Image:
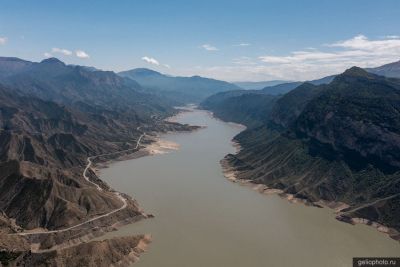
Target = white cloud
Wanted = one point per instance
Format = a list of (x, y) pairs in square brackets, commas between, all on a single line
[(306, 64), (63, 51), (155, 62), (209, 47), (242, 44), (151, 60), (3, 40), (81, 54), (333, 58), (361, 42), (66, 52)]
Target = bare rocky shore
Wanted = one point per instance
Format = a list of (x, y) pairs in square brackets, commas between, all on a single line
[(232, 174)]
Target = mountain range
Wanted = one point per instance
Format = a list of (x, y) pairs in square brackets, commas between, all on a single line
[(259, 85), (335, 142), (335, 139), (391, 70), (183, 89), (219, 102), (277, 87), (53, 117)]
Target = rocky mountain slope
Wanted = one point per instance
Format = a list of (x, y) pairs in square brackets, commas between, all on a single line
[(338, 142), (79, 87), (52, 118), (43, 148)]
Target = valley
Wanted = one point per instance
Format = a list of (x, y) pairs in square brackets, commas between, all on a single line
[(199, 133), (203, 219), (93, 160)]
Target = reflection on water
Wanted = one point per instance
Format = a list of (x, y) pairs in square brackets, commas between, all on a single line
[(204, 220)]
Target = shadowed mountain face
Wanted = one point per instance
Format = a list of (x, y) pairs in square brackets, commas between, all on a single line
[(270, 92), (357, 113), (290, 105), (52, 80), (249, 107), (255, 106), (284, 88), (43, 147), (338, 142), (52, 117), (184, 89)]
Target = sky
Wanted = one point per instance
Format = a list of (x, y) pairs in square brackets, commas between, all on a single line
[(230, 40)]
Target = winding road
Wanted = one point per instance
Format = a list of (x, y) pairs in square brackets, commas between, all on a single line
[(84, 174)]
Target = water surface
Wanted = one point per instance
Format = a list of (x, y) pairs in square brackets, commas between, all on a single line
[(203, 220)]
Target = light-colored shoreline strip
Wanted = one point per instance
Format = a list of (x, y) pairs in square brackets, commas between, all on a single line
[(338, 207)]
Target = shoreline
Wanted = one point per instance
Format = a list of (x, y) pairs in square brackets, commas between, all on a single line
[(155, 145), (86, 235), (231, 175)]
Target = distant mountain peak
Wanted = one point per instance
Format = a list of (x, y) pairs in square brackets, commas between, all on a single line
[(357, 72), (188, 89), (52, 60), (12, 59), (141, 71)]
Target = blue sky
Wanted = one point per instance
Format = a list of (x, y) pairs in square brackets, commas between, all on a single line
[(230, 40)]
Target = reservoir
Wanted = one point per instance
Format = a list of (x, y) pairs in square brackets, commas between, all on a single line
[(203, 220)]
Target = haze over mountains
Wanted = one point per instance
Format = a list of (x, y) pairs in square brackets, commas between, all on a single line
[(259, 85), (185, 89)]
